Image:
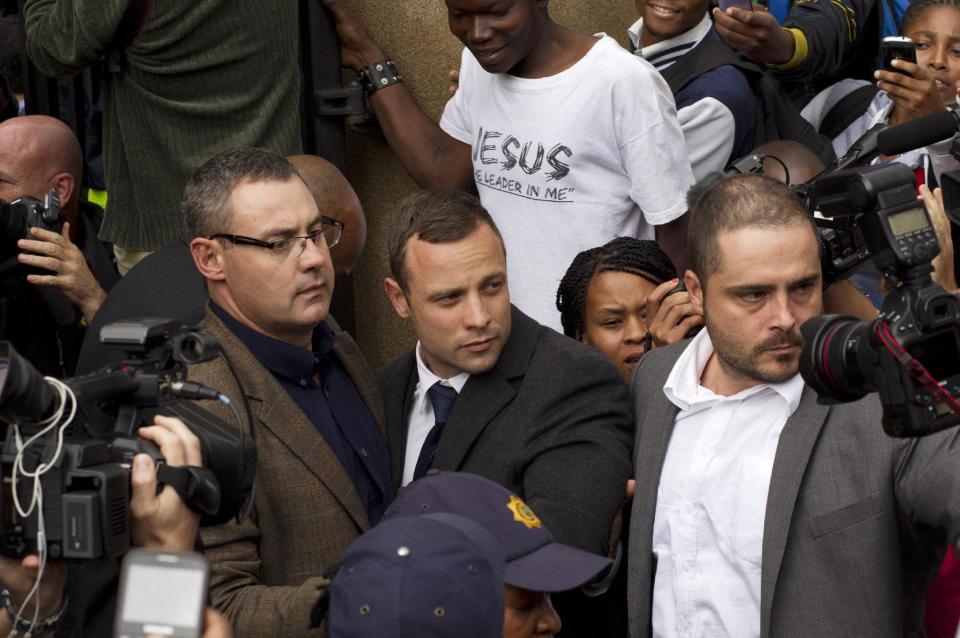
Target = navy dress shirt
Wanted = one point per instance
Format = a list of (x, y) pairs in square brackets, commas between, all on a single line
[(333, 405)]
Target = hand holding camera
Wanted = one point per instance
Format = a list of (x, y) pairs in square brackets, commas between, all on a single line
[(162, 520), (69, 272)]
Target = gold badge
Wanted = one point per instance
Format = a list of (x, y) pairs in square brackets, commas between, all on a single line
[(522, 513)]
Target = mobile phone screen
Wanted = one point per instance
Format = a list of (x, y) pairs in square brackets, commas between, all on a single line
[(163, 595), (740, 4)]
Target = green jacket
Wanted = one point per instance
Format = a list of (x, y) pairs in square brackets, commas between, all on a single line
[(203, 76)]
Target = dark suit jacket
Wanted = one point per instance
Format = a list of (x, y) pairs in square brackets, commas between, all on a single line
[(550, 421), (856, 522), (265, 572)]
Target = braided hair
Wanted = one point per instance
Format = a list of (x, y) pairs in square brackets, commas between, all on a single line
[(917, 7), (639, 257)]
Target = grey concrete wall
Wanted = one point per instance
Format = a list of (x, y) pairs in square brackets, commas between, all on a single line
[(414, 33)]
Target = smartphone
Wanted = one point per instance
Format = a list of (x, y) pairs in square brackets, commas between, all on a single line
[(950, 183), (162, 594), (897, 48), (746, 5)]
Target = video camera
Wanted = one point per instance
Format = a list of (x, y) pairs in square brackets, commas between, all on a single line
[(911, 353), (843, 248), (84, 469)]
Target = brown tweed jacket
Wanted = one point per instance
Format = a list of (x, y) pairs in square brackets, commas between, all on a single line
[(266, 572)]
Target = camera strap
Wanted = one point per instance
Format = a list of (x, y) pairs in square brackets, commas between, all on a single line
[(197, 486), (915, 368)]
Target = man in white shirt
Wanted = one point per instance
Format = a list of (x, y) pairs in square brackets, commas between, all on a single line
[(569, 140), (758, 511)]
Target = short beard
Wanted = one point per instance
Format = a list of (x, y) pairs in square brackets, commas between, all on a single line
[(744, 364)]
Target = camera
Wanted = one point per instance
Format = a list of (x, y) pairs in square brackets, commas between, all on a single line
[(910, 354), (82, 463), (16, 220)]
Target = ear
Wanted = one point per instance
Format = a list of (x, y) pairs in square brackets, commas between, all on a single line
[(397, 297), (65, 186), (695, 288), (208, 258)]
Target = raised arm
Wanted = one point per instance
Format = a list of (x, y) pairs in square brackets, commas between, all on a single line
[(433, 158)]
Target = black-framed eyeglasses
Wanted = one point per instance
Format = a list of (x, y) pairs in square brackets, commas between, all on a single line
[(330, 230)]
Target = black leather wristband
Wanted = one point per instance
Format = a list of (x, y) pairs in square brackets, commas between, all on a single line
[(379, 75)]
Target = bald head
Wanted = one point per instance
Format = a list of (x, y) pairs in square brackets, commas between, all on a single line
[(39, 154), (802, 163), (335, 198)]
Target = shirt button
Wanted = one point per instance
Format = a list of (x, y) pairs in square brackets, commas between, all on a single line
[(690, 509), (685, 567), (303, 383), (363, 452)]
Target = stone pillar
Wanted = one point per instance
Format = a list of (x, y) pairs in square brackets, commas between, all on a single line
[(414, 33)]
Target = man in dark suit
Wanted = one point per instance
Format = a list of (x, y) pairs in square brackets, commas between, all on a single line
[(323, 474), (487, 390), (758, 511)]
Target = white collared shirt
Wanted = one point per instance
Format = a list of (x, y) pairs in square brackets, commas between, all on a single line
[(663, 54), (421, 419), (711, 501)]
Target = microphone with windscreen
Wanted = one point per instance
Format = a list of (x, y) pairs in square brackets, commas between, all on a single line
[(918, 133)]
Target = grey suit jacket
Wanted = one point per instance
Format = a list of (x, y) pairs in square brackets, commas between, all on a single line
[(551, 421), (855, 526), (266, 571)]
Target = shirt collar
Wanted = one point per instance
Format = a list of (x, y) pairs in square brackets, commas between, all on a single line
[(683, 387), (427, 379), (682, 43), (279, 357)]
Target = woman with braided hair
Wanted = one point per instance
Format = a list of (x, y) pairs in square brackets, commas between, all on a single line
[(616, 298)]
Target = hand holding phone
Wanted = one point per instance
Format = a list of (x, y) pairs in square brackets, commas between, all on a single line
[(746, 5), (898, 48), (162, 593)]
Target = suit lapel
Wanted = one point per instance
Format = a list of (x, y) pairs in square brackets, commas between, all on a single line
[(482, 398), (796, 444), (281, 415), (653, 438), (398, 397)]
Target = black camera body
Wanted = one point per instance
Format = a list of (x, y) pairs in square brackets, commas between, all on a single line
[(16, 220), (911, 353), (86, 492)]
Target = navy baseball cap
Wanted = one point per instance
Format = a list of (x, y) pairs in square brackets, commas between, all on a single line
[(433, 576), (534, 560)]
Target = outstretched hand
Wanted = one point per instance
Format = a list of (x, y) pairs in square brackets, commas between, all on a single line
[(357, 48), (756, 34)]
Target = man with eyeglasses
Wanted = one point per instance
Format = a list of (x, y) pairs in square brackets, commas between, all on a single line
[(323, 472)]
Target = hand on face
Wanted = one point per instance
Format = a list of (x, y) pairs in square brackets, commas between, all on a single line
[(69, 270), (673, 316)]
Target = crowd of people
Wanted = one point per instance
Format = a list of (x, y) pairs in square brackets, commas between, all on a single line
[(600, 428)]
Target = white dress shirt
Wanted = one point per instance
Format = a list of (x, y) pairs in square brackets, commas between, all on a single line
[(708, 527), (421, 419)]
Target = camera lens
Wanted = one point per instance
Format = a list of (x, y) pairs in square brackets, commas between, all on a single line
[(837, 358)]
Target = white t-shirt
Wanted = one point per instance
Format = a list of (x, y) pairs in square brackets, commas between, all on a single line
[(571, 161)]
